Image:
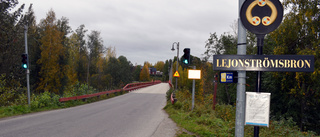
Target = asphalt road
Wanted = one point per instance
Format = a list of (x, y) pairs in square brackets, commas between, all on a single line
[(136, 114)]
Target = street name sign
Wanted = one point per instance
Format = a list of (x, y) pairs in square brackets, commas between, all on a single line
[(287, 63)]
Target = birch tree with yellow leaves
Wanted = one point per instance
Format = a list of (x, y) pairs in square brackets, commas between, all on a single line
[(144, 74), (52, 50)]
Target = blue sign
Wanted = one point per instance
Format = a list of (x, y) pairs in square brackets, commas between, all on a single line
[(228, 77)]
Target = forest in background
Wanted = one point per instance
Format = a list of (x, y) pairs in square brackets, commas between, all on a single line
[(60, 59), (63, 60)]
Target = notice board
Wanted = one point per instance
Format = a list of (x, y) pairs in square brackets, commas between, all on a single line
[(257, 109)]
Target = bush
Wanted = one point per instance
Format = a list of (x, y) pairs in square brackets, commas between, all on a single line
[(177, 105), (225, 112), (78, 90), (16, 110), (45, 99), (34, 105), (11, 95)]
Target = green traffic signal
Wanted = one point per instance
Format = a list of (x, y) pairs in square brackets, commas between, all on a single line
[(186, 56), (185, 61), (25, 66), (24, 61)]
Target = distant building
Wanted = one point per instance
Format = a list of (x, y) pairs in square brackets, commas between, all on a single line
[(159, 73), (152, 71)]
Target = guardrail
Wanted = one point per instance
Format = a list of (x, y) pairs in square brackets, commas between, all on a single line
[(170, 84), (134, 86), (128, 87)]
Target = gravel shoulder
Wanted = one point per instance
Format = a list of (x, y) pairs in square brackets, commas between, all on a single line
[(167, 127)]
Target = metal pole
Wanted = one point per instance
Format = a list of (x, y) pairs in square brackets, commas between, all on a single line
[(241, 89), (28, 71), (193, 88), (177, 66), (170, 72), (260, 39)]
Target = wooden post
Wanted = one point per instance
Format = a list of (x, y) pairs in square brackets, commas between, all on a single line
[(215, 91)]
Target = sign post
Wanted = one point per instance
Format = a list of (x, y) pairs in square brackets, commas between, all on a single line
[(241, 88), (194, 74), (261, 17)]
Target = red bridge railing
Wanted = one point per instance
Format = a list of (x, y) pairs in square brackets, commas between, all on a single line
[(128, 87)]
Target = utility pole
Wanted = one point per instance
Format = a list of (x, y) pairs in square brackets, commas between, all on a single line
[(26, 49), (241, 89), (193, 90), (170, 72), (177, 65)]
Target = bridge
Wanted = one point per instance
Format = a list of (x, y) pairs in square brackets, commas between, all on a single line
[(136, 114)]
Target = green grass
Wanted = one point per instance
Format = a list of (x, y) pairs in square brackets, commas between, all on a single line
[(205, 122), (45, 102)]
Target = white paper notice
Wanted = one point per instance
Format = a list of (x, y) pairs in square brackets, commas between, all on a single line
[(257, 109)]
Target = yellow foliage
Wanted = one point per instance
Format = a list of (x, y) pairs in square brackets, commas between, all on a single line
[(73, 59), (144, 74), (111, 52), (51, 50), (279, 50), (159, 65)]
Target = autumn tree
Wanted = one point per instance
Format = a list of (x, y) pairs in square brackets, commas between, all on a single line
[(74, 56), (83, 54), (95, 49), (159, 66), (99, 79), (51, 51), (148, 64), (103, 79), (110, 52), (144, 74)]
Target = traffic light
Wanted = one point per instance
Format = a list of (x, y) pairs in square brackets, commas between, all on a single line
[(186, 56), (24, 61)]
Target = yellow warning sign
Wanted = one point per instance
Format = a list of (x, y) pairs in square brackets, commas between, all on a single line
[(176, 74)]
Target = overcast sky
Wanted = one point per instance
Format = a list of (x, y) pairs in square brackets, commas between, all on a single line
[(144, 30)]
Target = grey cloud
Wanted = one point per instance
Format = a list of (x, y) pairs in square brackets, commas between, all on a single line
[(144, 30)]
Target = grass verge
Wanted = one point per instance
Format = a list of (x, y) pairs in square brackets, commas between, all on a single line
[(205, 122), (45, 102)]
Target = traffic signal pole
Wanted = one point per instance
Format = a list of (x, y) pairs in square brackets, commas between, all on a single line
[(28, 71)]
